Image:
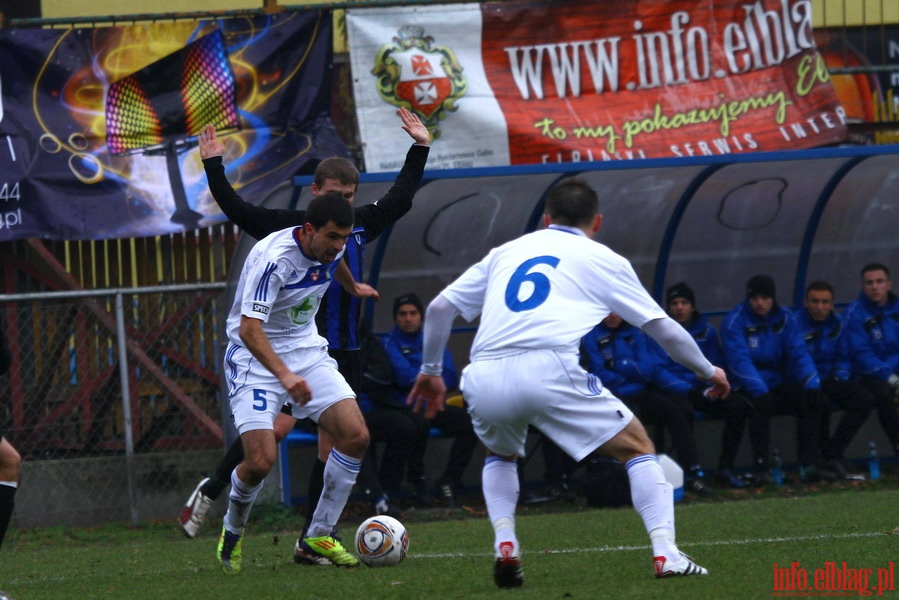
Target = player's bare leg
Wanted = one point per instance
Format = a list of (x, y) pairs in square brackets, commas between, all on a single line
[(210, 488), (652, 497)]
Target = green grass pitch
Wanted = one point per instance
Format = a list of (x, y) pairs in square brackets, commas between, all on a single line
[(570, 551)]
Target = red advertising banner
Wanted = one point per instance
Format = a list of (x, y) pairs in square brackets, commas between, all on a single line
[(578, 81)]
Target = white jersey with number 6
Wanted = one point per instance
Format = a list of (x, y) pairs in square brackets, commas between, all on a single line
[(546, 290)]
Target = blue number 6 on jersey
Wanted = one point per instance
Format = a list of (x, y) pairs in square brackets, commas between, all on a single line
[(540, 282)]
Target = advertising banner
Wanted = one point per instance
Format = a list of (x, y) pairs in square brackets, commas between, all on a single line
[(567, 81), (98, 126)]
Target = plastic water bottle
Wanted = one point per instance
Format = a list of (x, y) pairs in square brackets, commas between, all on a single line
[(777, 468), (873, 463)]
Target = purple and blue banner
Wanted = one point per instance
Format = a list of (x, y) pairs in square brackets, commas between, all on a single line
[(98, 126)]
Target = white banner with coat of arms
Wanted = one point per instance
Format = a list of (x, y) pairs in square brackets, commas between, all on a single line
[(419, 64)]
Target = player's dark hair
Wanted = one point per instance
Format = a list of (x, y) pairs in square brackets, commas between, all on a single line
[(336, 167), (330, 207), (875, 267), (819, 286), (572, 202)]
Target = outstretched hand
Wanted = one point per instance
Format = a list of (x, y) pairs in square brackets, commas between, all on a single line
[(363, 290), (428, 393), (414, 127), (720, 386), (209, 143)]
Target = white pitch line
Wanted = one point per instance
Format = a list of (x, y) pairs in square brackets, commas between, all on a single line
[(14, 581), (777, 540)]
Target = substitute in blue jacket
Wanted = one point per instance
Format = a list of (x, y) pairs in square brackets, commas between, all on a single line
[(872, 324), (674, 379), (769, 363), (619, 354), (404, 346), (824, 335)]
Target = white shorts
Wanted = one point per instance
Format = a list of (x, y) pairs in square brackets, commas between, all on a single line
[(256, 396), (548, 390)]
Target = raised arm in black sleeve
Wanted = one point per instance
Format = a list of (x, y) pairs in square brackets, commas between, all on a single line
[(256, 221), (377, 217)]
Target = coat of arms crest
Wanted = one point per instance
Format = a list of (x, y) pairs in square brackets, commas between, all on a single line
[(415, 74)]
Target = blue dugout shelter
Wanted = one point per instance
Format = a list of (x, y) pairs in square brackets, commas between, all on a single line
[(712, 221)]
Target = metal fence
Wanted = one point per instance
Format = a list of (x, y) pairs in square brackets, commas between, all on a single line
[(113, 400)]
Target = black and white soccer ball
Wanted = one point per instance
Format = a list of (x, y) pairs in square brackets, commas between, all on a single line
[(382, 541)]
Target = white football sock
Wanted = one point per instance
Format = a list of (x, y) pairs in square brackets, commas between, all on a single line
[(240, 502), (501, 488), (340, 477), (653, 499)]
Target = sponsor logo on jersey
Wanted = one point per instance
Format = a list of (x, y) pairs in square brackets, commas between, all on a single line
[(260, 308), (302, 313)]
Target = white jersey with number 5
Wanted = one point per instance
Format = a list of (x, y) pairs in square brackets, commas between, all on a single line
[(282, 287), (546, 290)]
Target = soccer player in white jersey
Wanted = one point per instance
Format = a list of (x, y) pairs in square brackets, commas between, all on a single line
[(275, 355), (537, 296)]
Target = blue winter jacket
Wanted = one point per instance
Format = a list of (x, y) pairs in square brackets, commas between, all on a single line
[(873, 336), (677, 379), (620, 357), (827, 343), (763, 352), (405, 352)]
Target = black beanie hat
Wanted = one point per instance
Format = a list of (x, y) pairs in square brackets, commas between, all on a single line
[(680, 290), (760, 285), (409, 298)]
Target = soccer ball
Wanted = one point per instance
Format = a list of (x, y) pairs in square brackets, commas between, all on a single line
[(382, 541)]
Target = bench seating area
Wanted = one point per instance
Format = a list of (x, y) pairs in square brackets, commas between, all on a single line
[(708, 432)]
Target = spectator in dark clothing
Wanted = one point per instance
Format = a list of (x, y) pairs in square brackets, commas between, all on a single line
[(674, 379), (390, 431), (404, 345), (619, 354), (824, 334), (768, 362), (872, 329)]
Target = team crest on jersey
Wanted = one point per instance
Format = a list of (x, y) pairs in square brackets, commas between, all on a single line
[(754, 342), (413, 73), (319, 273)]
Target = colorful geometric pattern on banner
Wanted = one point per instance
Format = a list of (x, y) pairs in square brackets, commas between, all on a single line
[(98, 125), (175, 96)]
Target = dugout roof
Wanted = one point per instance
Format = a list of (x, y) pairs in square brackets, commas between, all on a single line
[(711, 221)]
